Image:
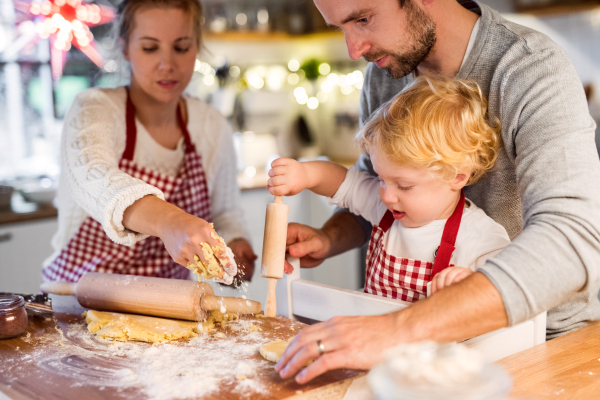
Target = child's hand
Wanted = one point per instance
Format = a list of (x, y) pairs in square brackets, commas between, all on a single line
[(288, 177), (449, 276)]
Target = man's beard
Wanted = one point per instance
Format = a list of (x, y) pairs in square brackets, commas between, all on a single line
[(422, 28)]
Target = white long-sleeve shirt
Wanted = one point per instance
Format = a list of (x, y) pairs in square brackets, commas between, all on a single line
[(479, 237), (91, 183)]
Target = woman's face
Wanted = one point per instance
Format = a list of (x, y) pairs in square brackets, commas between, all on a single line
[(162, 51)]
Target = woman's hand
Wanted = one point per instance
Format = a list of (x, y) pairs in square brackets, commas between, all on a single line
[(448, 276), (349, 342), (288, 177), (183, 235), (245, 258)]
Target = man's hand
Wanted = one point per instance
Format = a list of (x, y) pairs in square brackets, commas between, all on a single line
[(466, 309), (245, 258), (349, 342), (448, 276), (308, 244), (287, 177)]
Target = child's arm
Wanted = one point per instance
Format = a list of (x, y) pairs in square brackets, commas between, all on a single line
[(289, 177)]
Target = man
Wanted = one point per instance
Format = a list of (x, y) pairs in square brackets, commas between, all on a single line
[(544, 189)]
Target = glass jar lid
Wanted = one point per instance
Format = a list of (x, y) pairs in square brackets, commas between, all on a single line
[(11, 302)]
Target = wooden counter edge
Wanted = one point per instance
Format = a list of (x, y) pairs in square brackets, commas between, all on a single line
[(43, 212), (333, 391)]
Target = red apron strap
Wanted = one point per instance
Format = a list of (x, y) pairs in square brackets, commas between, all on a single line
[(186, 135), (131, 130), (444, 252), (386, 221)]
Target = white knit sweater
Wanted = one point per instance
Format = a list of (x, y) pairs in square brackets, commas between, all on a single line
[(91, 183)]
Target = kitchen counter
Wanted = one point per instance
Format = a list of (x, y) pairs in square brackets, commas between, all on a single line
[(565, 368), (22, 211), (59, 359)]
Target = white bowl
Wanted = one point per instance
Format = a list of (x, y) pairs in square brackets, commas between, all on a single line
[(38, 194)]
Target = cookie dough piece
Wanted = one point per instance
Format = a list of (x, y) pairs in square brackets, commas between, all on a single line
[(253, 328), (129, 327), (210, 270), (214, 268), (272, 351), (217, 317)]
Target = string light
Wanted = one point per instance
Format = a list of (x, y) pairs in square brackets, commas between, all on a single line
[(293, 65), (208, 80), (324, 69), (293, 78), (234, 71)]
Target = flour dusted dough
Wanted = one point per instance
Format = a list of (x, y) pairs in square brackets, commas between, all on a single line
[(272, 351), (217, 317), (213, 269), (126, 327)]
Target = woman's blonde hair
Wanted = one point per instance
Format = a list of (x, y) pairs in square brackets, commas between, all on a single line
[(128, 8), (439, 124)]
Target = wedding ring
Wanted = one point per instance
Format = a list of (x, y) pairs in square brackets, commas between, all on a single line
[(321, 347)]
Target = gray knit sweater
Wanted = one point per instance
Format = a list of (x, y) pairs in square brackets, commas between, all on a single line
[(545, 186)]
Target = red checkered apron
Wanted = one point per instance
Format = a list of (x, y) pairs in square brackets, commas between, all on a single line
[(92, 250), (403, 278)]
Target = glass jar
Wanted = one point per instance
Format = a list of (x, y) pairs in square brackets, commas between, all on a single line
[(13, 316)]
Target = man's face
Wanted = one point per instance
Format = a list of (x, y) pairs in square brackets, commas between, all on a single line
[(396, 38)]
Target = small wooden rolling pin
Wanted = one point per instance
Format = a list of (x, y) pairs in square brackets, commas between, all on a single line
[(273, 254), (160, 297)]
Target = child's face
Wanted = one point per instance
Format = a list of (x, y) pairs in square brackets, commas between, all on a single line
[(414, 195)]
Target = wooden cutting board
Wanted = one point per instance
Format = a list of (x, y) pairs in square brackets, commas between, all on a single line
[(59, 359)]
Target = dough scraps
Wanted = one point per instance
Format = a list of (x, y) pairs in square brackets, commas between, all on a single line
[(217, 259), (254, 328), (126, 327), (217, 317), (272, 351), (130, 327)]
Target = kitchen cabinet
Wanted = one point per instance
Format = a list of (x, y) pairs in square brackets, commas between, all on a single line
[(23, 248)]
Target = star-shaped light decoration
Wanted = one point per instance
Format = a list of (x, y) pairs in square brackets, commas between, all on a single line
[(66, 23)]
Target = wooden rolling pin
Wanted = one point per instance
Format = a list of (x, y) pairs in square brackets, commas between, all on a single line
[(160, 297), (273, 254)]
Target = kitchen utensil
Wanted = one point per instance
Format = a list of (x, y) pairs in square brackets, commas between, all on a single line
[(160, 297), (273, 255)]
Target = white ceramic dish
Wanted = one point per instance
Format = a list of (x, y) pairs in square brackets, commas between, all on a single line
[(38, 194)]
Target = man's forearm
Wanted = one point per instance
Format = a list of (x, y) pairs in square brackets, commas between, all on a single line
[(345, 232), (463, 310)]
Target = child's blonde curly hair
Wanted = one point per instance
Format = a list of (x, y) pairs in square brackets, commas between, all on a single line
[(436, 123)]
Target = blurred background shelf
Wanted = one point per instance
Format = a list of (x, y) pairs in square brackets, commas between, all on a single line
[(237, 36), (546, 8)]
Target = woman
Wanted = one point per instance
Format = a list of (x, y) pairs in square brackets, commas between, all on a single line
[(127, 150)]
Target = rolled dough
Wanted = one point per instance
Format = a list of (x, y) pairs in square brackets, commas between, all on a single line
[(272, 351), (126, 327), (129, 327)]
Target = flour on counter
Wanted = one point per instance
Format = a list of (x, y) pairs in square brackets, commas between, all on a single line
[(174, 370)]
